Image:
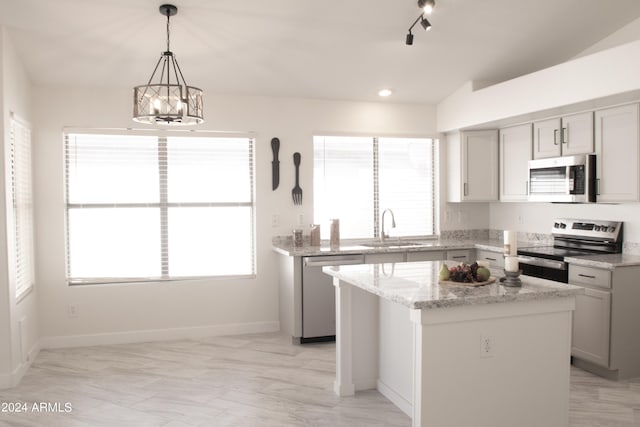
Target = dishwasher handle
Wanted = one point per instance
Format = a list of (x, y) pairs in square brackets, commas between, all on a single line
[(324, 261)]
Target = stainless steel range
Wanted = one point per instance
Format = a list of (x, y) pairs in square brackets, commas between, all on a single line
[(571, 237)]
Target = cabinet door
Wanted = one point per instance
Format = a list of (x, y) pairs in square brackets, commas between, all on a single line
[(546, 139), (480, 166), (616, 143), (515, 153), (591, 320), (577, 134)]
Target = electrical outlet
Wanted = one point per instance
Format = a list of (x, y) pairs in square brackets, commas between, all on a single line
[(72, 310), (486, 346)]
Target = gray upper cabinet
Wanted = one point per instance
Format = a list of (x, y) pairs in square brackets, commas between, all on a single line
[(546, 142), (563, 136), (515, 153), (472, 159), (617, 161)]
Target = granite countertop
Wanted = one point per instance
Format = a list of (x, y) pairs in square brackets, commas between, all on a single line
[(609, 262), (415, 285), (418, 245)]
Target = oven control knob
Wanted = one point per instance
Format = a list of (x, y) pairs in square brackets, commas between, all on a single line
[(556, 225), (612, 229), (596, 228), (563, 225), (603, 228)]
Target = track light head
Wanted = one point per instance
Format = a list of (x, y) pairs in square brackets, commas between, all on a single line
[(427, 5), (409, 40), (424, 22)]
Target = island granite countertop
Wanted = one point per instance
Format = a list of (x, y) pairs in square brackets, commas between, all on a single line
[(415, 285)]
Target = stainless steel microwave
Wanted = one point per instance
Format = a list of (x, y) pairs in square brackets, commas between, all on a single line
[(569, 179)]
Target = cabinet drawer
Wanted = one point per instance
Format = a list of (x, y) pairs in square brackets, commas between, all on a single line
[(460, 255), (495, 259), (587, 276), (425, 256), (384, 257)]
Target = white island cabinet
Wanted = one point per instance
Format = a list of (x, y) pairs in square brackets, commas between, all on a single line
[(452, 355)]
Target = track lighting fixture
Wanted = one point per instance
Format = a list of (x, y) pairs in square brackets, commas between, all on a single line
[(425, 24), (409, 40), (427, 7)]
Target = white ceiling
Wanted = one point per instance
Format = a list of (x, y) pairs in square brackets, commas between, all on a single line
[(336, 49)]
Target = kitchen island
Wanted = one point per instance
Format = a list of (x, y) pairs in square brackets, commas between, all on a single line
[(454, 355)]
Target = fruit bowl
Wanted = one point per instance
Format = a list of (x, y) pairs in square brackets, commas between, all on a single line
[(465, 274)]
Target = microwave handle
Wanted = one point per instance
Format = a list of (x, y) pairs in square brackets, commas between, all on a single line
[(597, 186)]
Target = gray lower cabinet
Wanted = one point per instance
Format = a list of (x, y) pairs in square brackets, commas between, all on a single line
[(592, 316), (384, 257), (425, 256), (461, 255), (495, 259), (605, 321), (591, 322)]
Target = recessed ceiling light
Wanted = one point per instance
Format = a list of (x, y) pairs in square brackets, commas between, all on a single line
[(385, 92)]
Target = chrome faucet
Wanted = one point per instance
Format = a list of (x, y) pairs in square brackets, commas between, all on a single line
[(384, 235)]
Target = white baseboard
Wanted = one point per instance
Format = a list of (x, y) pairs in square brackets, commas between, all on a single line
[(129, 337), (14, 378), (395, 398)]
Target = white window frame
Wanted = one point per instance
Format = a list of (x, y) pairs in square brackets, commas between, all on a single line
[(163, 205), (21, 251)]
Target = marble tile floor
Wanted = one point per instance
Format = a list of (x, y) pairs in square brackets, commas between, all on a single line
[(247, 380)]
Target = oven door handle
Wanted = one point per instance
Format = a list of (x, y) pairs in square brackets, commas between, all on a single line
[(540, 262)]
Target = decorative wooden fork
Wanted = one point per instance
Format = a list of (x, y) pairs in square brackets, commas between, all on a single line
[(296, 193)]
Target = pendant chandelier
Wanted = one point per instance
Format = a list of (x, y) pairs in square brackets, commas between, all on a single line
[(168, 100)]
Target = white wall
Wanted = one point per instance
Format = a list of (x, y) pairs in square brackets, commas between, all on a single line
[(626, 34), (538, 217), (18, 320), (156, 310), (606, 75)]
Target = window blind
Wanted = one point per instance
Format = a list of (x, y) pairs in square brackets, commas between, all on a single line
[(343, 184), (356, 178), (22, 255), (143, 207)]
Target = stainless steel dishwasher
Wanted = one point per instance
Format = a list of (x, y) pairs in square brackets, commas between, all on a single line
[(319, 296)]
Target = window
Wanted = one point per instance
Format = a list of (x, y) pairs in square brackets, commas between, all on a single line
[(154, 208), (21, 257), (356, 178)]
